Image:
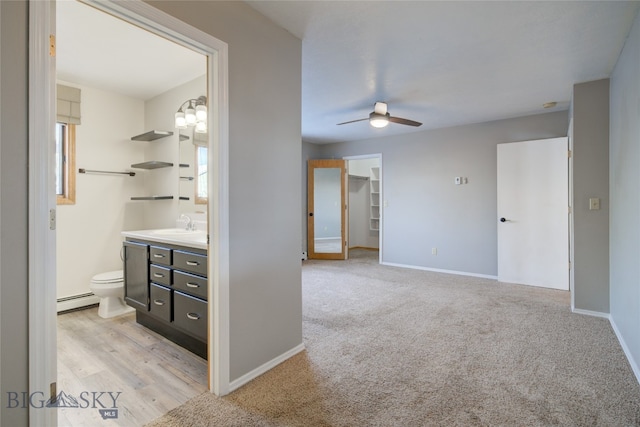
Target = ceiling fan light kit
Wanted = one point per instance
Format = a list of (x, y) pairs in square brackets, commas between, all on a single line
[(380, 118)]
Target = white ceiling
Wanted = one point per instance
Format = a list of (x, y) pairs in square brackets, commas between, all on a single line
[(98, 50), (444, 63), (440, 63)]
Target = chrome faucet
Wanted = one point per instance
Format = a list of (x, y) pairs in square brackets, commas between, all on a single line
[(189, 225)]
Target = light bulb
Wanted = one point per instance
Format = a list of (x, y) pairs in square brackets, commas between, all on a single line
[(378, 120), (201, 113), (201, 127), (190, 115), (181, 122)]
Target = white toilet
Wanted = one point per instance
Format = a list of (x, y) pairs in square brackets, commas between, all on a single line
[(109, 287)]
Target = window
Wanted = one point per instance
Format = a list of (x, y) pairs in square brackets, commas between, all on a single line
[(65, 163), (201, 176)]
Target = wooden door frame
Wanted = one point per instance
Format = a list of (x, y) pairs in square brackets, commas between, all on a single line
[(311, 166)]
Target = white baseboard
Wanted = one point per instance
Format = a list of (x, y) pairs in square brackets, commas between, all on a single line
[(591, 313), (85, 300), (625, 348), (632, 362), (236, 384), (438, 270)]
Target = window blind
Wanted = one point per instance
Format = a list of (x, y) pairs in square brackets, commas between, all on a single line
[(68, 104)]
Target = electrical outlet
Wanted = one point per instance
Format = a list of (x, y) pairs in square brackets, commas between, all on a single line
[(458, 180)]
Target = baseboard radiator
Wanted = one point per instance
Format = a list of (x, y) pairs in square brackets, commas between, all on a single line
[(76, 301)]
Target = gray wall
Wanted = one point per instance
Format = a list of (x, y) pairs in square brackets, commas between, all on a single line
[(625, 195), (264, 182), (590, 112), (426, 209), (14, 355)]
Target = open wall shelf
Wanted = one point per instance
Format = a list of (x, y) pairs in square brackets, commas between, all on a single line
[(152, 135), (152, 165), (153, 198), (374, 194)]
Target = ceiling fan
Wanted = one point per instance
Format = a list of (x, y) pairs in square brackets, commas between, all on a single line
[(380, 118)]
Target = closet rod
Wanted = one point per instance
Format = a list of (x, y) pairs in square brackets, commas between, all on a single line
[(82, 170)]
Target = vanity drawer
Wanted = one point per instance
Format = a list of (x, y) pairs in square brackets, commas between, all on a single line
[(160, 275), (190, 262), (190, 315), (190, 283), (160, 302), (158, 255)]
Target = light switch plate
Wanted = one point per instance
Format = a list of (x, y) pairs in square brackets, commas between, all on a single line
[(594, 204)]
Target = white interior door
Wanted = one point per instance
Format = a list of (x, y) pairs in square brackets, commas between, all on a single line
[(533, 215)]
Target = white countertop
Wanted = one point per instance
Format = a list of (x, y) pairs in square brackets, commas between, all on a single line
[(173, 236)]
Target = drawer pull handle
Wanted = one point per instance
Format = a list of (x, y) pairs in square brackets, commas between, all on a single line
[(193, 316), (193, 263), (158, 275), (192, 285), (158, 302), (158, 255)]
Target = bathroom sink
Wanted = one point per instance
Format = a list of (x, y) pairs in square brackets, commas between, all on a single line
[(176, 236), (175, 231)]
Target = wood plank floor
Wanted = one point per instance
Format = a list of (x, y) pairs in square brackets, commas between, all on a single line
[(152, 374)]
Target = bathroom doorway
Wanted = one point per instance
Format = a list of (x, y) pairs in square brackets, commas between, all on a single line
[(41, 343)]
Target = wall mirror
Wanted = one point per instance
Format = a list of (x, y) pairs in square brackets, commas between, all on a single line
[(193, 170)]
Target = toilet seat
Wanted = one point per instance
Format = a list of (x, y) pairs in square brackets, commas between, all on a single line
[(115, 276)]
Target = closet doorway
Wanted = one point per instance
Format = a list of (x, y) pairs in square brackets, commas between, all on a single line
[(365, 201)]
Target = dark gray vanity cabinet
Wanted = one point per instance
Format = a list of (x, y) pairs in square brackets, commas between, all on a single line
[(169, 291), (136, 274)]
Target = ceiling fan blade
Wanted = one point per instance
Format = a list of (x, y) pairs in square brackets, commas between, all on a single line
[(352, 121), (402, 121), (380, 108)]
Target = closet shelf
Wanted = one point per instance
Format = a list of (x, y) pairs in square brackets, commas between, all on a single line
[(152, 165), (364, 178), (153, 198), (152, 135)]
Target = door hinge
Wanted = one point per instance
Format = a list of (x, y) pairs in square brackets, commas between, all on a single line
[(569, 265), (569, 153), (52, 219), (569, 209), (53, 392), (52, 45)]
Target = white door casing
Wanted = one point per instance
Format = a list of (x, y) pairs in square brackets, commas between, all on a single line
[(533, 213), (42, 297)]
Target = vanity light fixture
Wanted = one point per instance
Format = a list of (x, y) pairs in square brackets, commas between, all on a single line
[(195, 114)]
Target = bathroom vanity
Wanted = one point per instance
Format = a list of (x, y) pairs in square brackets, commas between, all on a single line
[(165, 280)]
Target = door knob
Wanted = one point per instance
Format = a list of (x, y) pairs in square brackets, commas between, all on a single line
[(503, 219), (310, 213)]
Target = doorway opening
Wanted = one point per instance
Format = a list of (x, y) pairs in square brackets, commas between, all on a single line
[(365, 201), (42, 206)]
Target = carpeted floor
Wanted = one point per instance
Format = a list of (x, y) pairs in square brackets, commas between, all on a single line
[(396, 347)]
